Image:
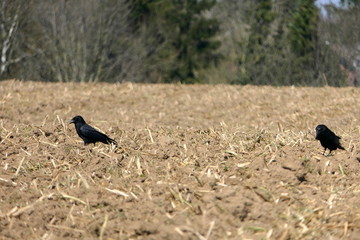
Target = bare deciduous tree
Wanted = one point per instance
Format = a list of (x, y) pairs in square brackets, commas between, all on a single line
[(88, 41), (10, 11), (340, 33)]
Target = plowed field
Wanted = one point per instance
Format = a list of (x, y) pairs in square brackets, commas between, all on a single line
[(193, 162)]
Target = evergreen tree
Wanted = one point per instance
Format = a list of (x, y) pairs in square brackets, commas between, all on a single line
[(191, 38), (303, 40), (186, 34), (303, 28), (256, 48), (351, 3), (139, 12)]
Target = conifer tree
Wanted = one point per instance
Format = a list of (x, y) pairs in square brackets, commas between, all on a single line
[(256, 47), (303, 39), (186, 34), (303, 27)]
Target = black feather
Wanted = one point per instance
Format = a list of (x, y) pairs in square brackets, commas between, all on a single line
[(89, 134), (327, 138)]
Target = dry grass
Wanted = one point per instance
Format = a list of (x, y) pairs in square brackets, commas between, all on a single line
[(194, 162)]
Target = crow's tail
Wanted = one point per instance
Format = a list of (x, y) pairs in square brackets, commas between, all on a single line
[(341, 147)]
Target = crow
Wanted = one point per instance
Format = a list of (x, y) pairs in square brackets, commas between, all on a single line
[(90, 134), (327, 138)]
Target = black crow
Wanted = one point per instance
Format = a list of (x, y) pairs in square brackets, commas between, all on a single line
[(327, 138), (88, 133)]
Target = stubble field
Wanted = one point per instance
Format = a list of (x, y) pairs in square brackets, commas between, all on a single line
[(194, 162)]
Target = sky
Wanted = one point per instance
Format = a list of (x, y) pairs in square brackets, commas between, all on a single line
[(319, 3)]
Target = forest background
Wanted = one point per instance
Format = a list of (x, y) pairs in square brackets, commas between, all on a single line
[(258, 42)]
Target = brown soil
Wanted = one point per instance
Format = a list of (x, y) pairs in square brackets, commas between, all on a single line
[(194, 162)]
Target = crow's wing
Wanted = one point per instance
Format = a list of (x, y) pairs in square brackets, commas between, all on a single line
[(331, 134), (334, 135), (92, 134)]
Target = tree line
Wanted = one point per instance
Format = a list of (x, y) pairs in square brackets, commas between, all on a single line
[(260, 42)]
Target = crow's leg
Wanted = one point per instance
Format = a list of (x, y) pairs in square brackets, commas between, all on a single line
[(324, 151), (329, 153)]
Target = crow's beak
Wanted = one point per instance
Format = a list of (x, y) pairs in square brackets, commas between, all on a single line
[(72, 121)]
